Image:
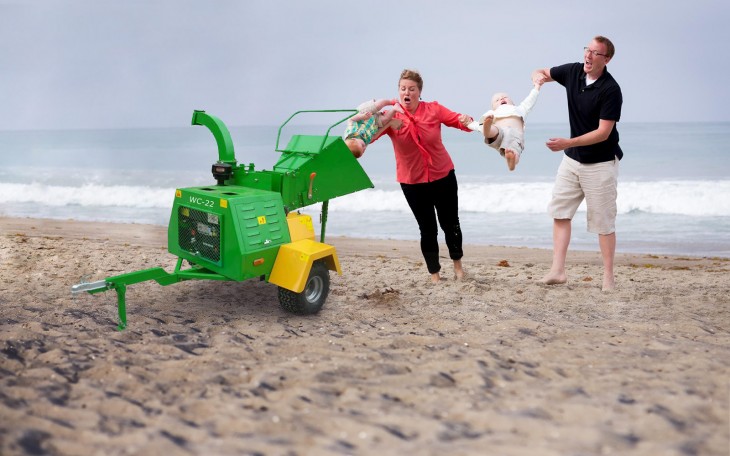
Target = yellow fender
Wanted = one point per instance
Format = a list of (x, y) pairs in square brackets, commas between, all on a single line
[(294, 261)]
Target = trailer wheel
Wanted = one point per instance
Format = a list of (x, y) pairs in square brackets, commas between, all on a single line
[(311, 300)]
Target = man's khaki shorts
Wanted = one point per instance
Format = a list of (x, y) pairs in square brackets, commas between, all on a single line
[(596, 182)]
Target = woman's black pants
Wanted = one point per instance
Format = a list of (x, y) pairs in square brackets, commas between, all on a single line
[(429, 201)]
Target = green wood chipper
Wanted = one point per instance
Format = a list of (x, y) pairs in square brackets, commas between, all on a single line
[(247, 224)]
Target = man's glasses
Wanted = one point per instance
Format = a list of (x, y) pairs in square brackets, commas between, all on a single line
[(591, 51)]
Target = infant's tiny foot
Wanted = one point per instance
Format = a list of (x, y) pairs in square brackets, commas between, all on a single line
[(511, 157)]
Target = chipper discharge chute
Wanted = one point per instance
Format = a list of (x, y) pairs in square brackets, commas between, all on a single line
[(247, 224)]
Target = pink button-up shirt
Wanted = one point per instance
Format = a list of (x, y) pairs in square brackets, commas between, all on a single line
[(420, 155)]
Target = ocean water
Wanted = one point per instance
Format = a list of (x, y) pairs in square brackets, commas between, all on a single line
[(674, 184)]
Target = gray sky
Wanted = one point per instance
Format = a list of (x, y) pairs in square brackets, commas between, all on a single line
[(116, 64)]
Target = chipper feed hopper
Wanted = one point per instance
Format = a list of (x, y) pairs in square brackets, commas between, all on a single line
[(247, 224)]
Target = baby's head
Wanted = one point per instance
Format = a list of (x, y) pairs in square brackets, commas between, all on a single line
[(501, 98), (356, 145)]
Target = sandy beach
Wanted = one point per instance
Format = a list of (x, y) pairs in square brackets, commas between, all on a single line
[(497, 364)]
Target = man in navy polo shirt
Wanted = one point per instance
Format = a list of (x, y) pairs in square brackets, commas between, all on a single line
[(590, 165)]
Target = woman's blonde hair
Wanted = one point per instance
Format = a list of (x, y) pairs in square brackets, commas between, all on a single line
[(412, 75)]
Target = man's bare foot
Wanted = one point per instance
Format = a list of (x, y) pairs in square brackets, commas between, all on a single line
[(487, 127), (458, 270), (553, 278), (609, 284), (435, 277), (511, 157)]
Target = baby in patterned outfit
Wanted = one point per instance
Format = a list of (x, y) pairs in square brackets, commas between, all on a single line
[(367, 123)]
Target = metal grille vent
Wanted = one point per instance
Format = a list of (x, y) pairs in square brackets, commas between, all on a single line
[(199, 233)]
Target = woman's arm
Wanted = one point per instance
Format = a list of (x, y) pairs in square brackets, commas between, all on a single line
[(454, 119)]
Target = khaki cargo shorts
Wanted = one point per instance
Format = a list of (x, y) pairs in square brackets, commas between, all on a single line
[(594, 182)]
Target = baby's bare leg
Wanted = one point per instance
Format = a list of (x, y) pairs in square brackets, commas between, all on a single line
[(490, 131), (388, 120), (395, 124), (513, 148), (387, 116), (512, 158)]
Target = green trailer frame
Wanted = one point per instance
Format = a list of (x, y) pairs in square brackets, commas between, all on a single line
[(311, 169)]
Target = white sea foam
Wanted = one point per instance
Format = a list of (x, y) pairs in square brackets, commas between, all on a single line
[(703, 198), (87, 195), (689, 198)]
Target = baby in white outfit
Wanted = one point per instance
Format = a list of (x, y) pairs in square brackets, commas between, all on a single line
[(503, 126)]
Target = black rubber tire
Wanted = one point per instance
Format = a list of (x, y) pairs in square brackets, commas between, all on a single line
[(311, 300)]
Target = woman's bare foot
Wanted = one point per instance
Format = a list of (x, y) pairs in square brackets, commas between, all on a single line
[(458, 270), (554, 278), (435, 277), (511, 157)]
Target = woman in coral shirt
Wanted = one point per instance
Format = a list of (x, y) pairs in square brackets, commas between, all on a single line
[(425, 170)]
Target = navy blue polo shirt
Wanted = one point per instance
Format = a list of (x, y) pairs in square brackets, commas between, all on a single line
[(586, 106)]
